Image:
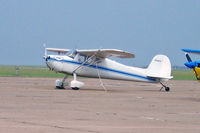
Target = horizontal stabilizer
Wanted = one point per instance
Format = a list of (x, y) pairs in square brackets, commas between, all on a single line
[(159, 77)]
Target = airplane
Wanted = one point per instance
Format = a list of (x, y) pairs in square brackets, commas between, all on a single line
[(194, 65), (95, 63)]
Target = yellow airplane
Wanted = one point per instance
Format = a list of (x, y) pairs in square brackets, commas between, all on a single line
[(194, 65)]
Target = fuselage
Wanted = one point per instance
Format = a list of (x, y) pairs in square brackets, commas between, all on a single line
[(104, 68)]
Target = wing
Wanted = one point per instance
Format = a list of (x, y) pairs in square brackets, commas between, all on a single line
[(106, 53), (191, 51), (62, 51)]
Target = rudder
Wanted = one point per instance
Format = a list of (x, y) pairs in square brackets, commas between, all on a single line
[(160, 67)]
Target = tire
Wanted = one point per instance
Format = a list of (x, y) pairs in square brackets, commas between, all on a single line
[(167, 89), (60, 87), (75, 88)]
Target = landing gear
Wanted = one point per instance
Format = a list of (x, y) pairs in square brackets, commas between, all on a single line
[(167, 89), (60, 84), (163, 86), (75, 88), (75, 85)]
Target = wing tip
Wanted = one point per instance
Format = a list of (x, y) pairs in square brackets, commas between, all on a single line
[(191, 50)]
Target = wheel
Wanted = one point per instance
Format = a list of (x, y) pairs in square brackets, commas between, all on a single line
[(60, 87), (59, 84), (75, 88), (167, 89)]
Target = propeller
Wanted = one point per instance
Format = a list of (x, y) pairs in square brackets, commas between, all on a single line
[(191, 65), (45, 51), (188, 57)]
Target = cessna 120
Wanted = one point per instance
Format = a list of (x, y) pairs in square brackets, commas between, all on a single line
[(95, 63)]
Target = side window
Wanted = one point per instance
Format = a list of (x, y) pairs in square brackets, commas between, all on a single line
[(93, 60), (81, 58), (198, 64), (90, 60)]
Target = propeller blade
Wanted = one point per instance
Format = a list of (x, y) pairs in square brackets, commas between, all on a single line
[(45, 51), (188, 57)]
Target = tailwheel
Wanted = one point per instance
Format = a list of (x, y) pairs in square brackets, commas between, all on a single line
[(167, 89)]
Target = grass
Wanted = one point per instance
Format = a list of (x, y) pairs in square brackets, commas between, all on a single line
[(41, 71), (28, 71), (183, 75)]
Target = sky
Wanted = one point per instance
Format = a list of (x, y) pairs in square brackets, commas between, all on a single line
[(142, 27)]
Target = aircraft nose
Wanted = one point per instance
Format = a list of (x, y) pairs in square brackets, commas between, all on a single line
[(46, 57), (190, 64)]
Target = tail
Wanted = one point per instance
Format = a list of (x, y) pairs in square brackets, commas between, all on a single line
[(160, 68)]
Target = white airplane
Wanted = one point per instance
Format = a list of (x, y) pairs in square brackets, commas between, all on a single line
[(95, 63)]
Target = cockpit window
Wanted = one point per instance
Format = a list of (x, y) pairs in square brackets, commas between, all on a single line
[(198, 65)]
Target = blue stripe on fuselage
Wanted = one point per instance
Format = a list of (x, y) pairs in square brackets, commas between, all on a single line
[(104, 68)]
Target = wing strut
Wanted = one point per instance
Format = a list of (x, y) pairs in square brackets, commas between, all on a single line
[(101, 82), (83, 63)]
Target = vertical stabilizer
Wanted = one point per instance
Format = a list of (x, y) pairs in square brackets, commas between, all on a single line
[(160, 67)]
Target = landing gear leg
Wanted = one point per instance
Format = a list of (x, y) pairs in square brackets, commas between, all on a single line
[(60, 84), (163, 86), (75, 85)]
